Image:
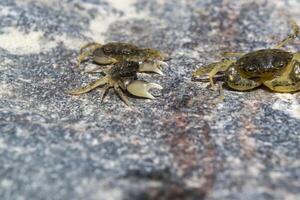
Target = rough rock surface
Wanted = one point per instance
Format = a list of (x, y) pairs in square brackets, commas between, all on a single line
[(183, 145)]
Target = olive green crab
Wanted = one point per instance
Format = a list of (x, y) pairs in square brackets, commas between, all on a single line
[(123, 62), (275, 68)]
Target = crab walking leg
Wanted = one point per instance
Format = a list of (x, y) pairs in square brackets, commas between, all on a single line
[(297, 56), (213, 69), (291, 37), (92, 45), (85, 54), (141, 88), (82, 57), (221, 95), (119, 91), (104, 91), (232, 54), (89, 87)]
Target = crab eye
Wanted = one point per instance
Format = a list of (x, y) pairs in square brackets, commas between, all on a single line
[(251, 69), (297, 70), (232, 74), (280, 65), (126, 51)]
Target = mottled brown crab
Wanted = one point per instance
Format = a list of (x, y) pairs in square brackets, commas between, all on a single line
[(124, 61), (277, 69)]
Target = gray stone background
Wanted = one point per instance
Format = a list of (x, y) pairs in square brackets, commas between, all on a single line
[(183, 145)]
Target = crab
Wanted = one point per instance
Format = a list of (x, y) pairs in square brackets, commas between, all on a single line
[(123, 62), (274, 68)]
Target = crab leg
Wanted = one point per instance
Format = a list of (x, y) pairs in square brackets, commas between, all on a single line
[(291, 37), (141, 88), (89, 87), (92, 45), (85, 54), (119, 91), (212, 69), (232, 54), (104, 91), (296, 57)]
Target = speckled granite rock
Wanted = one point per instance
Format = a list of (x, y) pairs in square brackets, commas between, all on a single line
[(182, 145)]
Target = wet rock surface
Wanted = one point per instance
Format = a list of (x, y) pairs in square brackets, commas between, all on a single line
[(183, 145)]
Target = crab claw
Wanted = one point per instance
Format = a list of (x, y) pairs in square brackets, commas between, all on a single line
[(162, 64), (152, 66), (165, 57), (141, 88)]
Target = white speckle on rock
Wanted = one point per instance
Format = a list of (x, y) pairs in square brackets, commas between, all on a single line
[(5, 183), (5, 90), (276, 176), (17, 42), (5, 11), (255, 169), (125, 6), (70, 42), (288, 103), (100, 25), (20, 43), (2, 144)]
